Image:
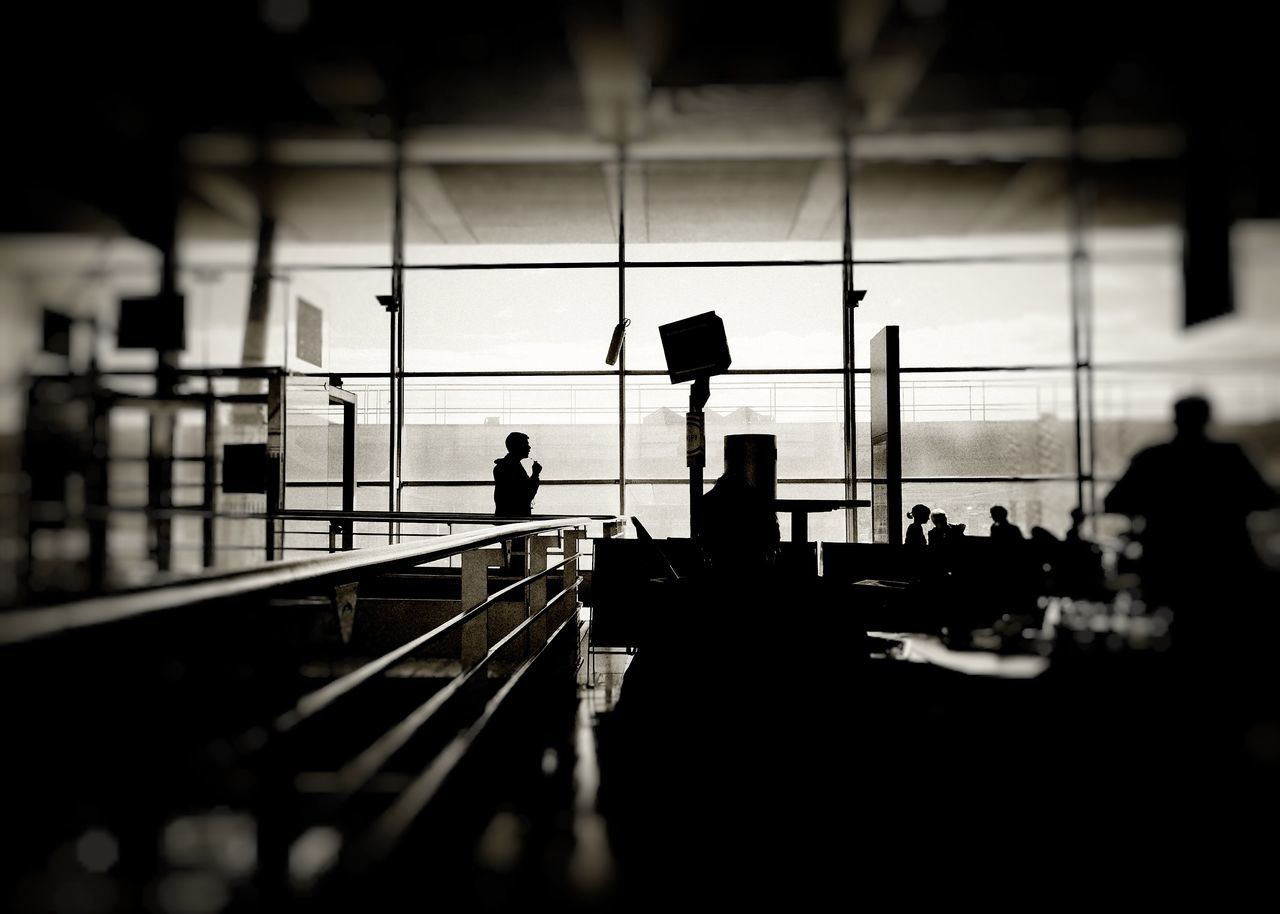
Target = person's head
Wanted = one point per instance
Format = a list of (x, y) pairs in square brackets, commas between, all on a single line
[(939, 519), (919, 513), (1190, 416), (999, 514), (1077, 517), (518, 444)]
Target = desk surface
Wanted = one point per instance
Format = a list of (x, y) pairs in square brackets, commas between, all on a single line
[(813, 505)]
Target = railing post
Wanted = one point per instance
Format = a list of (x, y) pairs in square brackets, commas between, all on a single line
[(536, 592), (475, 590), (571, 540)]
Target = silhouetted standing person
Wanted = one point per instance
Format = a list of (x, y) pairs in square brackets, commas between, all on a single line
[(1001, 530), (1192, 546), (513, 488)]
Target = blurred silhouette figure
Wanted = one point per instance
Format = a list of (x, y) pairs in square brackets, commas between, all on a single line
[(739, 527), (915, 537), (1191, 546), (1080, 571), (938, 535), (1077, 524), (1001, 530), (1046, 553), (1197, 559), (513, 488), (944, 532)]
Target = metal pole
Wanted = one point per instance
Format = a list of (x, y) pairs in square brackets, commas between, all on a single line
[(209, 524), (622, 318), (397, 279), (1081, 356), (348, 472), (847, 307), (392, 412)]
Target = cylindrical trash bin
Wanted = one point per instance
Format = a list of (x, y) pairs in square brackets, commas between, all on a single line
[(753, 458)]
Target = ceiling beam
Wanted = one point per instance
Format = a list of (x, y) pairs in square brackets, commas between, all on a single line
[(886, 58), (613, 81), (1103, 143)]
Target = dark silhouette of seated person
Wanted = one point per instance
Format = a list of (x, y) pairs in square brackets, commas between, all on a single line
[(938, 534), (1080, 569), (915, 538), (688, 772), (1001, 530), (944, 532), (1192, 547), (739, 530)]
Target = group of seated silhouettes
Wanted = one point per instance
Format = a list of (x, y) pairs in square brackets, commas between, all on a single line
[(941, 532), (1008, 566)]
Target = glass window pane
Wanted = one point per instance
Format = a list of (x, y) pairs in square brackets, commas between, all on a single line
[(1138, 301), (478, 499), (774, 317), (1000, 423), (803, 411), (663, 509), (968, 314), (313, 441), (509, 320), (1133, 409), (824, 526), (356, 329), (1030, 504), (455, 428)]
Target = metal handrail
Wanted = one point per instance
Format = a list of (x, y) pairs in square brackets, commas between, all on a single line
[(381, 838), (314, 702), (363, 767), (27, 625)]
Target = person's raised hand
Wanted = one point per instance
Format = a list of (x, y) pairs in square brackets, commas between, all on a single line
[(537, 468)]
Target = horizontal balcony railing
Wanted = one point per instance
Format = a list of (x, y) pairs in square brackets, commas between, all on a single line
[(26, 625)]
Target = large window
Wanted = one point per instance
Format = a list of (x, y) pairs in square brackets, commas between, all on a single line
[(513, 286)]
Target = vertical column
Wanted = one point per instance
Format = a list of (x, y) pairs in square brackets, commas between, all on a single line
[(1081, 331), (886, 439), (848, 302), (622, 319), (348, 472), (397, 289), (208, 543), (275, 463)]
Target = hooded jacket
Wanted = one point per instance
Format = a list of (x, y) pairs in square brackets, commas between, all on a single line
[(513, 489)]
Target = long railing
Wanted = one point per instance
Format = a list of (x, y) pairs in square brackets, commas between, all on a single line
[(25, 625), (532, 639)]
